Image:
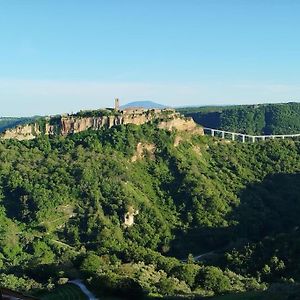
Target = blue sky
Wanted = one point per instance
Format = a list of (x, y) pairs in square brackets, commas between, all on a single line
[(66, 55)]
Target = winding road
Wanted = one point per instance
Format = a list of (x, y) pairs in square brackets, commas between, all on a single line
[(200, 257)]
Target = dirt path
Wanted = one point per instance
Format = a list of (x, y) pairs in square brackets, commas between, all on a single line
[(84, 289)]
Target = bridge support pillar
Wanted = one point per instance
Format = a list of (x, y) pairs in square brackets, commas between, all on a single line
[(232, 136), (223, 135), (212, 132), (243, 138), (253, 139)]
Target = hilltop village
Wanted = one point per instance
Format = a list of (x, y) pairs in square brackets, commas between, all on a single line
[(68, 124)]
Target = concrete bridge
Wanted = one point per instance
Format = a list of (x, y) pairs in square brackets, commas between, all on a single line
[(235, 136)]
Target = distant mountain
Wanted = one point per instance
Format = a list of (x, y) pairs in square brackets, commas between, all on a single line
[(143, 104)]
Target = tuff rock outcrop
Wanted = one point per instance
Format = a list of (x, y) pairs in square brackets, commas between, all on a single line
[(70, 124)]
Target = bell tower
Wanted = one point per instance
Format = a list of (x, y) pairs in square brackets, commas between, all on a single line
[(117, 104)]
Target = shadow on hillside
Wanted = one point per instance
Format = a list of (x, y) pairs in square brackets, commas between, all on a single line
[(209, 119), (283, 291), (200, 241), (268, 207)]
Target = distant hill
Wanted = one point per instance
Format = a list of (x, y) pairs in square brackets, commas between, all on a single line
[(10, 122), (143, 104), (279, 118)]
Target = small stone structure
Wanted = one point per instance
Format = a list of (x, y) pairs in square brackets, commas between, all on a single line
[(117, 104), (129, 217)]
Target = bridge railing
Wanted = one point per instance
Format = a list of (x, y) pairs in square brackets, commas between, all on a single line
[(245, 137)]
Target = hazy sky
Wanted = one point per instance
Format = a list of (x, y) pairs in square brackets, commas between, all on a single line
[(66, 55)]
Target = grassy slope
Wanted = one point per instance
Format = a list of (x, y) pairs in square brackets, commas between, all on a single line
[(65, 292)]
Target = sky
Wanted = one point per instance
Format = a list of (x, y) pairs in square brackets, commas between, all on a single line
[(66, 55)]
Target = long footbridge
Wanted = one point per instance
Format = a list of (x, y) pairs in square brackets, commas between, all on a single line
[(235, 136)]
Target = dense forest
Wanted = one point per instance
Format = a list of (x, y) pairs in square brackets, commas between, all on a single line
[(209, 217), (251, 119)]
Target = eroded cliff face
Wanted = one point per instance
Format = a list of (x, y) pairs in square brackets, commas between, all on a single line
[(21, 133), (181, 124), (142, 150), (70, 125), (66, 125)]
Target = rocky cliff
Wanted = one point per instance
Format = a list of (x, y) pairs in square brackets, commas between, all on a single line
[(70, 124), (181, 124), (22, 132)]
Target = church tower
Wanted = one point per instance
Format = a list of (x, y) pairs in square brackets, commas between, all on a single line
[(117, 104)]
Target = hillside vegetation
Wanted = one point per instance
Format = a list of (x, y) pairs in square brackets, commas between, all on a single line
[(251, 119), (64, 204)]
